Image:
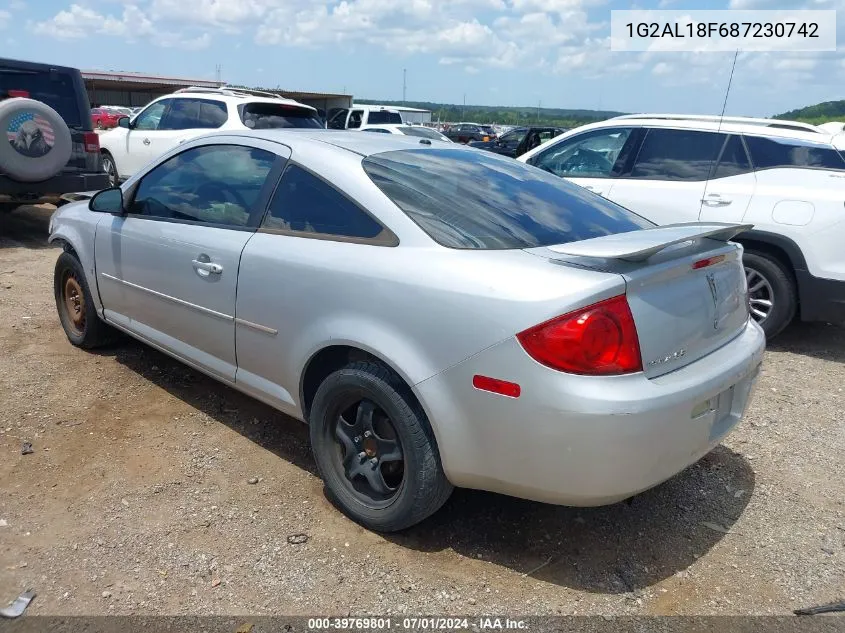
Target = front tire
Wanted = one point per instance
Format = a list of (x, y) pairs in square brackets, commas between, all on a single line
[(110, 168), (75, 305), (375, 450), (772, 293)]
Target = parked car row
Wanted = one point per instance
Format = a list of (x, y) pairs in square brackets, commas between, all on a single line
[(409, 297)]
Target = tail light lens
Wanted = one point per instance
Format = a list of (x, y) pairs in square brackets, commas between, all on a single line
[(18, 93), (92, 142), (599, 340)]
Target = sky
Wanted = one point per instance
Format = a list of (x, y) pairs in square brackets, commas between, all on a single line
[(552, 53)]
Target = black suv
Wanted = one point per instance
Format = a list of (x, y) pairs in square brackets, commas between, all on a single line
[(47, 144)]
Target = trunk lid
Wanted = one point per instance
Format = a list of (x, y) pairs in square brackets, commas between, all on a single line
[(685, 285)]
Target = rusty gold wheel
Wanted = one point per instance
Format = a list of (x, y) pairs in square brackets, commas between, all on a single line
[(74, 298)]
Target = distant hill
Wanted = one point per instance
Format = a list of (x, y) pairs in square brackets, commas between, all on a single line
[(505, 115), (819, 113)]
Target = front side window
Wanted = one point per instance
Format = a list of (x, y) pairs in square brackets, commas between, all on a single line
[(589, 155), (479, 200), (769, 153), (150, 118), (514, 138), (355, 119), (685, 155), (214, 184), (183, 114), (304, 203), (338, 120)]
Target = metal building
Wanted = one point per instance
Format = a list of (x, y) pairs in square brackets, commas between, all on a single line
[(137, 89)]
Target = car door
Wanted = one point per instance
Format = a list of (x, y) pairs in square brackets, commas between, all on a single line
[(667, 180), (509, 144), (731, 185), (338, 120), (167, 270), (591, 159), (356, 119), (284, 279), (139, 139)]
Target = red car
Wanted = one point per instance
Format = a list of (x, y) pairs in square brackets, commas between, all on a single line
[(102, 118)]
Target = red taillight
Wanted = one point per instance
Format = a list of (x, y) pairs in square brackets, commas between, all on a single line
[(91, 141), (710, 261), (18, 93), (599, 340), (494, 385)]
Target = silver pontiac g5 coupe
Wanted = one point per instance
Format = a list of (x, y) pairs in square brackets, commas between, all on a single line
[(439, 316)]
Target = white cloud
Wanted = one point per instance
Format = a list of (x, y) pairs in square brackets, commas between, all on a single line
[(5, 17), (133, 25)]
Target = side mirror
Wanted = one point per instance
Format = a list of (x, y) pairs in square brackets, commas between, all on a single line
[(108, 201), (123, 122)]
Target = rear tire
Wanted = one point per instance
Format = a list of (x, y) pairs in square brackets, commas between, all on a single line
[(375, 450), (75, 305), (772, 292)]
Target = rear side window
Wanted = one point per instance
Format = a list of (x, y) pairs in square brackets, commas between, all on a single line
[(380, 117), (56, 89), (304, 203), (768, 153), (734, 160), (213, 114), (685, 155), (268, 116), (474, 200)]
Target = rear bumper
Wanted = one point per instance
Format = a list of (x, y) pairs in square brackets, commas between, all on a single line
[(585, 441), (821, 299), (51, 189)]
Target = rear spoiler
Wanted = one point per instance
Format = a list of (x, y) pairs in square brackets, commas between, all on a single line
[(638, 246)]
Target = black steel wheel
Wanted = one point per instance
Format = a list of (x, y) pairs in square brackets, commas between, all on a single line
[(375, 449)]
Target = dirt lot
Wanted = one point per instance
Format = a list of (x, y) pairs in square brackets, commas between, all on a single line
[(136, 498)]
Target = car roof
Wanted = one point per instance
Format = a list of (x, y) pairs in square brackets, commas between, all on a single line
[(730, 125), (349, 140), (234, 95)]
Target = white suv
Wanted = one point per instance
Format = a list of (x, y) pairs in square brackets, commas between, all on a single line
[(783, 177), (190, 112)]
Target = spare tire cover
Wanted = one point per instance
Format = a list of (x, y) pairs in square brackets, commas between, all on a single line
[(35, 142)]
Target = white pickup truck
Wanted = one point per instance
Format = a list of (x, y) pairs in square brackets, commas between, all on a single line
[(360, 115)]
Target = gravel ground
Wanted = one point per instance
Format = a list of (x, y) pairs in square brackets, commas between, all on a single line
[(137, 498)]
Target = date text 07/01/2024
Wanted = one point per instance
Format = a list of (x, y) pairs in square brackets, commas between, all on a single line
[(417, 623), (723, 29)]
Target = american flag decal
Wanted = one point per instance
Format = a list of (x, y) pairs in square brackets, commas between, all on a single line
[(42, 124)]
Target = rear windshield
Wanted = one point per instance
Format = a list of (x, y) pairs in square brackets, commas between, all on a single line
[(768, 153), (380, 117), (267, 116), (56, 89), (424, 132), (475, 200)]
